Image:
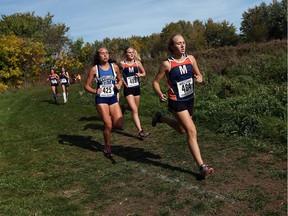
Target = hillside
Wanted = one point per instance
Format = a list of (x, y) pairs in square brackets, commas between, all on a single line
[(51, 160)]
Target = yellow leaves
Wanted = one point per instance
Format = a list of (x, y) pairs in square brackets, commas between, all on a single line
[(15, 72), (3, 87), (20, 58), (67, 61), (4, 74)]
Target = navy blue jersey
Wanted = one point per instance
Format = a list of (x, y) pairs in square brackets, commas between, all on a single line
[(130, 75), (64, 78), (53, 80), (180, 79)]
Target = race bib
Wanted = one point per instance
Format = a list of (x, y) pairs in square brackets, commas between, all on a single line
[(54, 81), (63, 80), (107, 90), (132, 81), (185, 87)]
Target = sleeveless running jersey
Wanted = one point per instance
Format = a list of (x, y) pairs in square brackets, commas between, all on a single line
[(106, 81), (129, 74), (53, 79), (64, 78), (180, 79)]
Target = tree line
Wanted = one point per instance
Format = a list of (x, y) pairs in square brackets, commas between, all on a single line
[(30, 45)]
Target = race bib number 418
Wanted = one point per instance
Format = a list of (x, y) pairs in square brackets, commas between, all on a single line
[(132, 81), (185, 87)]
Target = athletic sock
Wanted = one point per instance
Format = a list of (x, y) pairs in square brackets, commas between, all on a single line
[(64, 96)]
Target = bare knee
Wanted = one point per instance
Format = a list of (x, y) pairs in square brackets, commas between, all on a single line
[(192, 132), (134, 110), (118, 123)]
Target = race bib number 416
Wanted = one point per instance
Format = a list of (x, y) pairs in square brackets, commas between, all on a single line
[(185, 87), (54, 81)]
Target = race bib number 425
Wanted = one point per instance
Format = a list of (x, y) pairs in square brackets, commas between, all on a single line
[(107, 90), (185, 87)]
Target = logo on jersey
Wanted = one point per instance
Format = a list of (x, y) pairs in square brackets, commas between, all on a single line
[(183, 69), (131, 69)]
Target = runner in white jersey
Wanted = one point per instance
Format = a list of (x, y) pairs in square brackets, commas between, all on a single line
[(105, 74), (64, 79)]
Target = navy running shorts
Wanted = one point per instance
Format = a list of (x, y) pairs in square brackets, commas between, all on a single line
[(106, 100), (131, 91), (178, 106)]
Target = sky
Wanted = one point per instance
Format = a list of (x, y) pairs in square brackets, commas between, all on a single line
[(94, 20)]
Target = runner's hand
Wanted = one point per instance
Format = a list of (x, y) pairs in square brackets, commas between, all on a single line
[(163, 98), (199, 78)]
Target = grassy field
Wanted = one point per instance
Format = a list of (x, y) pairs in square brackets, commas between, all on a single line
[(51, 163)]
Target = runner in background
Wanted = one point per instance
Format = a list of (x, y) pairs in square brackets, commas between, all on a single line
[(64, 78), (78, 78), (132, 69), (53, 78)]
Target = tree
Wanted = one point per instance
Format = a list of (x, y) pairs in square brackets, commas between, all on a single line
[(277, 20), (34, 27), (220, 34), (265, 22), (43, 30), (198, 40), (21, 25), (21, 60), (81, 52)]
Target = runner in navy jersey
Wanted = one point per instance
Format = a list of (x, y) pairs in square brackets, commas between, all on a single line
[(64, 79), (181, 71), (132, 69), (53, 78), (109, 81)]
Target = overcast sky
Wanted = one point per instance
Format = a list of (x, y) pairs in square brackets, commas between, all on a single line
[(97, 19)]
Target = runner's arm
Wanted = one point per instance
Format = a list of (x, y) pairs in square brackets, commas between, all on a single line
[(164, 67), (89, 81), (198, 75)]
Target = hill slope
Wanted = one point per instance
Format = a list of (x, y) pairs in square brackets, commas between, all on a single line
[(51, 164)]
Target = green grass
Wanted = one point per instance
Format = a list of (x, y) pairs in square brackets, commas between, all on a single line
[(51, 164)]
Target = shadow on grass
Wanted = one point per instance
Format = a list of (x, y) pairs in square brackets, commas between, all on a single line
[(50, 102), (94, 126), (129, 153), (91, 118), (84, 142), (122, 132)]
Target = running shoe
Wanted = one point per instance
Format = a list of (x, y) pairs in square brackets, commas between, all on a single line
[(107, 151), (143, 134), (156, 118), (205, 170)]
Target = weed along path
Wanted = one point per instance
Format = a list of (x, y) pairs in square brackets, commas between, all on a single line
[(51, 163)]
